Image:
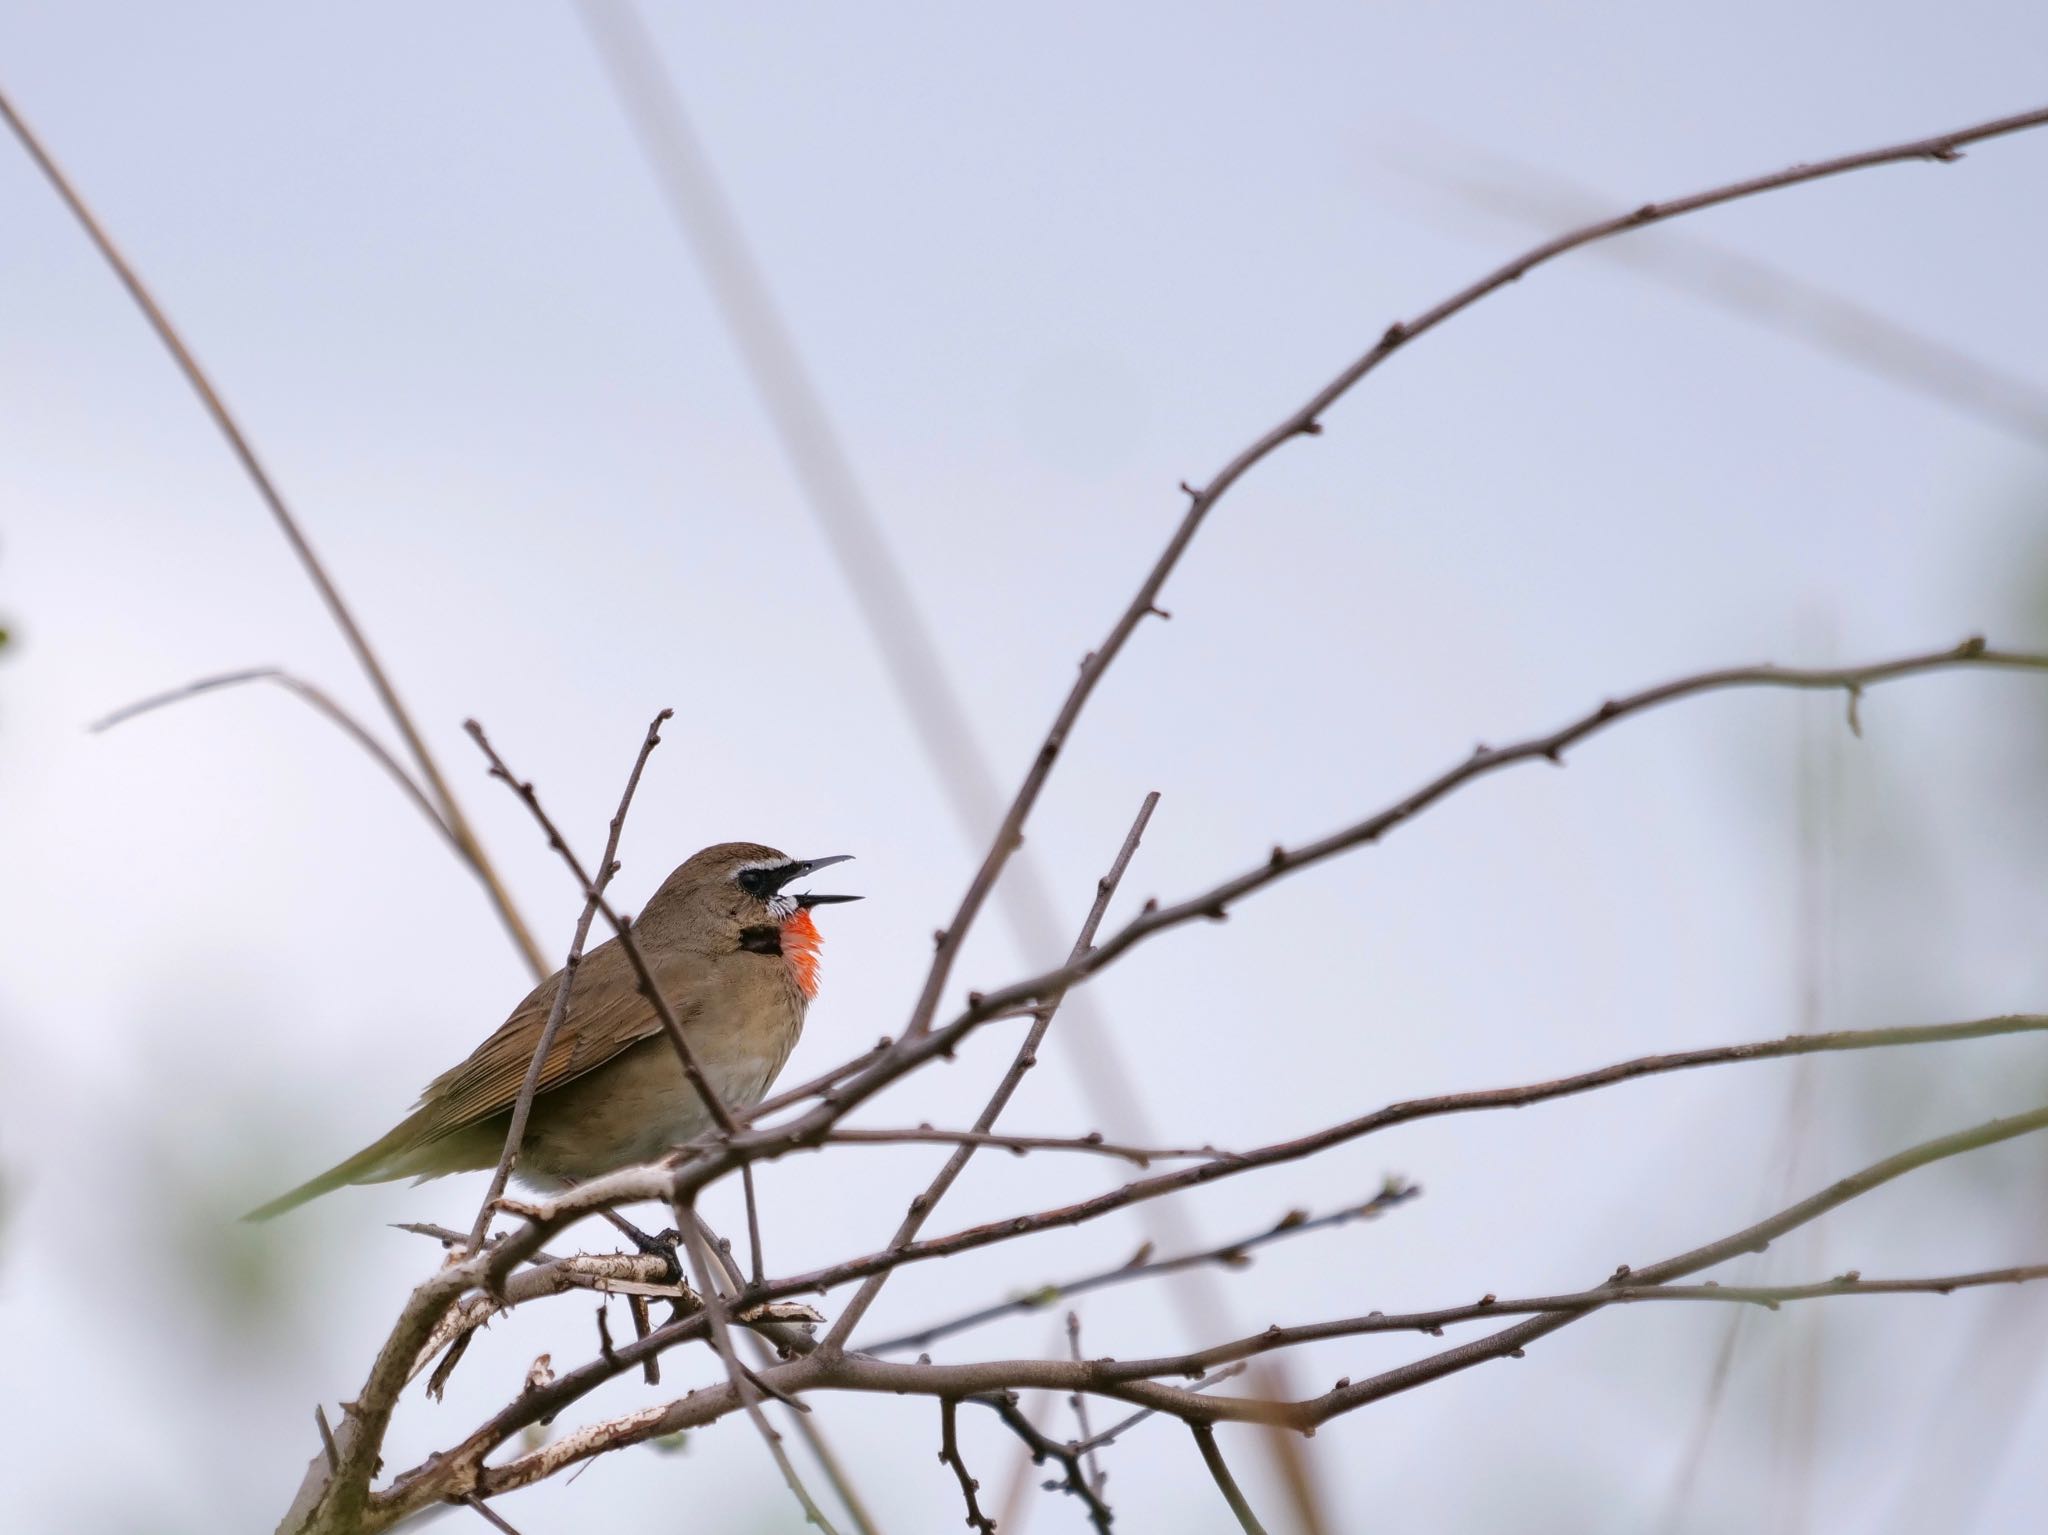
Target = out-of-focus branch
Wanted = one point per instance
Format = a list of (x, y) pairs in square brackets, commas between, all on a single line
[(1212, 1457), (1871, 340), (607, 866), (322, 703), (451, 816)]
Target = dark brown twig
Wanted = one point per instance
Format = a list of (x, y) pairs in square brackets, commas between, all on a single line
[(594, 893), (1027, 1056), (754, 1263), (1074, 1480), (1091, 1144), (1142, 1265), (1139, 1382), (522, 1106), (1871, 340), (949, 1454), (821, 1084), (491, 1516), (1214, 904), (1281, 1152), (1085, 1445), (1307, 422), (744, 1382), (1123, 1426)]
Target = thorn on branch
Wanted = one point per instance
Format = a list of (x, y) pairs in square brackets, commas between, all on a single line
[(327, 1439), (438, 1381), (1855, 710), (1393, 336)]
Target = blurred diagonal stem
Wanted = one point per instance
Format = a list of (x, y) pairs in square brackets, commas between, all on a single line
[(1865, 338), (451, 817)]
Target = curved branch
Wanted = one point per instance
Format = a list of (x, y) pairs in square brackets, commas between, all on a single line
[(245, 453), (1306, 422), (307, 693), (1380, 1119)]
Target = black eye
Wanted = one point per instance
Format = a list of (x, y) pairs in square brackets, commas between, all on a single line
[(760, 883)]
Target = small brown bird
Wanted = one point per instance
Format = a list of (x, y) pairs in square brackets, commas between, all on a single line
[(736, 959)]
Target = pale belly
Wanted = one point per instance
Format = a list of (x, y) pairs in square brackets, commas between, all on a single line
[(634, 1108)]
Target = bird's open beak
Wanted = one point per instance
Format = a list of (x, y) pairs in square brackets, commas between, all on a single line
[(804, 867)]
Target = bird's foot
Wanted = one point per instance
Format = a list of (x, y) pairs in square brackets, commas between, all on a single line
[(663, 1246)]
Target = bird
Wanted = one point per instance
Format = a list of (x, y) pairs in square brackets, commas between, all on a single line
[(733, 953)]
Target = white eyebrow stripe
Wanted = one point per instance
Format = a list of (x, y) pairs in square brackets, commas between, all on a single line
[(762, 863)]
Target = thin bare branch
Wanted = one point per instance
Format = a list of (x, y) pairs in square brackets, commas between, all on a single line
[(1074, 1481), (949, 1454), (1307, 422), (594, 893), (1123, 1426), (308, 693), (1874, 341), (492, 1517), (1280, 1152), (744, 1381), (1205, 1440), (1214, 904), (451, 814), (1085, 1445), (1141, 1266), (1091, 1144), (1027, 1056), (522, 1106), (828, 1460)]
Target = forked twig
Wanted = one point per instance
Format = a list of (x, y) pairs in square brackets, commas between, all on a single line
[(515, 1134)]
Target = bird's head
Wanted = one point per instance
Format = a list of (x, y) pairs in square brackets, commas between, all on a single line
[(735, 896)]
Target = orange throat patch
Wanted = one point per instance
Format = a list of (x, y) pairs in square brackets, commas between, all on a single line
[(800, 944)]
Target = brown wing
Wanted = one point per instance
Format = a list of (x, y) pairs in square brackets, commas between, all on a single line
[(606, 1015)]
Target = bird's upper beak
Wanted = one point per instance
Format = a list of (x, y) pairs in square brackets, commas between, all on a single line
[(805, 867)]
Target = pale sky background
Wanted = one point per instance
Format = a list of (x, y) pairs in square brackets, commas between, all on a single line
[(1044, 264)]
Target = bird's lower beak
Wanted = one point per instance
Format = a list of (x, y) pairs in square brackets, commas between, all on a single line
[(808, 866)]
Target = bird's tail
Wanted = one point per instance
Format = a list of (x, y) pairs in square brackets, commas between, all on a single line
[(378, 1162)]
